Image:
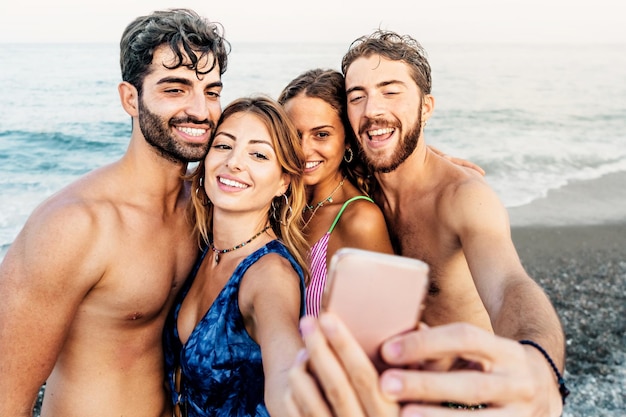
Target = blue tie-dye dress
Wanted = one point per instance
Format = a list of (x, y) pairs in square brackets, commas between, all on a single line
[(221, 368)]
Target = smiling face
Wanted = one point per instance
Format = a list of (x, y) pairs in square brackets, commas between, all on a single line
[(323, 137), (242, 171), (177, 110), (385, 110)]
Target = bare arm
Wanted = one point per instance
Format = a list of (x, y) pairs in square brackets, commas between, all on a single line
[(41, 289), (517, 306), (273, 293)]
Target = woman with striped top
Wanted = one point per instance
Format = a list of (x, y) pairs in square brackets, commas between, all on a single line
[(339, 212)]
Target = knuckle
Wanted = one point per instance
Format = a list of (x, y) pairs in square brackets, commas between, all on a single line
[(465, 333), (335, 394), (414, 386), (364, 380)]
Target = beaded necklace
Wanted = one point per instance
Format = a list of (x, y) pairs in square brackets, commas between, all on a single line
[(315, 207), (218, 252)]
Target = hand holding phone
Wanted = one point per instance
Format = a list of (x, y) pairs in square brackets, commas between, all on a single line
[(376, 295)]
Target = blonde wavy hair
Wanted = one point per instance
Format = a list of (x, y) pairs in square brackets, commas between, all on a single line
[(285, 215)]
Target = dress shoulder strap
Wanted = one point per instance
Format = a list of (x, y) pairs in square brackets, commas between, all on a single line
[(358, 197)]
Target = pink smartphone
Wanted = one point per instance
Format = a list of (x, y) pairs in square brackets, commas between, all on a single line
[(376, 295)]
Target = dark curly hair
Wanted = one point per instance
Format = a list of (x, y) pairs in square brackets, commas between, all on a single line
[(190, 37)]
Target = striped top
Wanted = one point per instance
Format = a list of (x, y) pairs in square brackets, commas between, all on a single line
[(317, 264)]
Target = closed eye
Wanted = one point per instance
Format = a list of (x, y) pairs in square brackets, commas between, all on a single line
[(260, 155), (355, 98), (222, 146)]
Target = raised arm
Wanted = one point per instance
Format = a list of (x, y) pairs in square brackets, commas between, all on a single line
[(271, 307), (518, 308)]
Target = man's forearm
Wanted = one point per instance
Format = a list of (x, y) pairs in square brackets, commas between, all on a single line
[(527, 314)]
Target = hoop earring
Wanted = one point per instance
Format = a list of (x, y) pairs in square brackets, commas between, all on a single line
[(273, 211), (204, 201), (350, 156), (288, 212), (275, 214)]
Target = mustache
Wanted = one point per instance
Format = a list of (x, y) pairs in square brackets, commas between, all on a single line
[(191, 120), (368, 124)]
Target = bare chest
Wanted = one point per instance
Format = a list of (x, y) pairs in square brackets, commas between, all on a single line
[(415, 233), (146, 270)]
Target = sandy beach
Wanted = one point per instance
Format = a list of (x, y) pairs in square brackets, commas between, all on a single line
[(573, 243)]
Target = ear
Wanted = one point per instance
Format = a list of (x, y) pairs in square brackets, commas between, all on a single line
[(285, 180), (129, 98), (428, 106)]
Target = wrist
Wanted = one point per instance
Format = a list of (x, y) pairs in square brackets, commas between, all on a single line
[(563, 390)]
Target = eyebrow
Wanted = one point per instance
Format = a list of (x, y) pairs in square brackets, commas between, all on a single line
[(185, 81), (252, 141), (262, 142), (323, 127), (379, 85)]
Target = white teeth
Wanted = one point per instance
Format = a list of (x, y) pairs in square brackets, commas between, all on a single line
[(379, 132), (232, 183), (192, 131), (311, 164)]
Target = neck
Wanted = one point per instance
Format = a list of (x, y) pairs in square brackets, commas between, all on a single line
[(230, 228), (326, 196), (218, 252), (152, 182), (412, 176)]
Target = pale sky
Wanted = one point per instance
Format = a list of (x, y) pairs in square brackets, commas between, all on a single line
[(533, 21)]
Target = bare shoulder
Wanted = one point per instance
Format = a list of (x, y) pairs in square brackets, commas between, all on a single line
[(361, 215), (270, 283), (362, 225), (271, 275), (272, 269), (61, 238), (467, 198)]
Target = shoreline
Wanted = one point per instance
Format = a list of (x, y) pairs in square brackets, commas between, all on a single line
[(587, 202)]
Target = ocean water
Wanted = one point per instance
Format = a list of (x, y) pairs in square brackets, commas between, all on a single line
[(533, 116)]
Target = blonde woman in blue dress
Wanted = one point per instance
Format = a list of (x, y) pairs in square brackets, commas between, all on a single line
[(232, 333)]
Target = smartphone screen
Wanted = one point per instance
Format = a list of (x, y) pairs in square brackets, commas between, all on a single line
[(376, 295)]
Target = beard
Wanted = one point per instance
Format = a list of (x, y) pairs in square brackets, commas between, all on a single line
[(156, 131), (405, 148)]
